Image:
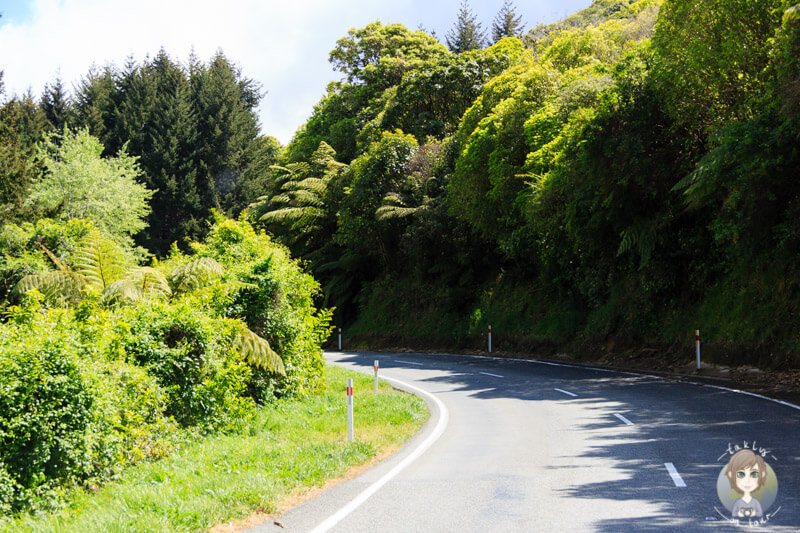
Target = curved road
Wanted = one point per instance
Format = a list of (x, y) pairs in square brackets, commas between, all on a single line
[(533, 446)]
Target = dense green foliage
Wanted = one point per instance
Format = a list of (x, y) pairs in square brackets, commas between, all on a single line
[(104, 363), (79, 183), (628, 172), (192, 127)]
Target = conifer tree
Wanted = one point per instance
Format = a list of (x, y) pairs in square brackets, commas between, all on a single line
[(21, 127), (507, 23), (55, 105), (467, 33)]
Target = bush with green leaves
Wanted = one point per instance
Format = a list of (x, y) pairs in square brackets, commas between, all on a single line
[(194, 358), (104, 363), (21, 248), (258, 283), (70, 410)]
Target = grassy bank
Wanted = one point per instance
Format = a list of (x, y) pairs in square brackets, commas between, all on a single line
[(287, 449)]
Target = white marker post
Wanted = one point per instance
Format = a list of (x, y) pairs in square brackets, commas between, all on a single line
[(340, 339), (349, 410), (490, 339), (697, 344), (375, 383)]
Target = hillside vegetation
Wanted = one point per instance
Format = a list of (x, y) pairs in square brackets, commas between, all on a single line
[(629, 173)]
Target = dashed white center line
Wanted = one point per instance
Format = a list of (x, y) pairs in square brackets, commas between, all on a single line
[(407, 362), (567, 393), (490, 374), (625, 420), (673, 473)]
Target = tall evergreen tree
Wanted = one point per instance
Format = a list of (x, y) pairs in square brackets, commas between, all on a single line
[(22, 125), (467, 33), (56, 105), (94, 106), (224, 102), (507, 23), (194, 129)]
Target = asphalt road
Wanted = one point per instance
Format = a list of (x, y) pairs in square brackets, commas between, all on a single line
[(533, 446)]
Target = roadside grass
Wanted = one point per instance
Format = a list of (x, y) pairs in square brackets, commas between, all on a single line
[(288, 448)]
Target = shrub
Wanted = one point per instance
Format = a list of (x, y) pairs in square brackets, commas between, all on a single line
[(71, 409), (261, 285), (192, 356), (45, 407)]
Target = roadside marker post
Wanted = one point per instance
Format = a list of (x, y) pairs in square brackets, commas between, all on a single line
[(697, 344), (340, 339), (490, 339), (375, 383), (349, 410)]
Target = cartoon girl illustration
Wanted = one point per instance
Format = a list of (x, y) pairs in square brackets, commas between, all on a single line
[(746, 472)]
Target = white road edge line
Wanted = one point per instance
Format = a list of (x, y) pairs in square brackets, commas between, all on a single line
[(490, 374), (418, 451), (673, 473), (567, 393), (754, 395), (625, 420), (408, 362)]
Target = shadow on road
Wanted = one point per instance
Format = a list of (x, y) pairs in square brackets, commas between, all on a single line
[(691, 426)]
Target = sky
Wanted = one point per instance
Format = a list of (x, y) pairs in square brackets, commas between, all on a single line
[(281, 44)]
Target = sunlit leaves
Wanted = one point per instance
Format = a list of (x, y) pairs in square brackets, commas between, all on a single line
[(80, 183)]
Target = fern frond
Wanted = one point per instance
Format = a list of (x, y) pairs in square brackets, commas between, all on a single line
[(100, 261), (290, 215), (195, 274), (306, 198), (123, 291), (60, 287), (293, 169), (388, 212), (641, 235), (393, 198), (151, 282), (280, 199), (141, 283), (315, 185), (258, 352)]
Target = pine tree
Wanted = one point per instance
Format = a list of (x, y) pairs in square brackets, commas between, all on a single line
[(507, 23), (467, 33), (55, 105), (194, 129), (22, 125)]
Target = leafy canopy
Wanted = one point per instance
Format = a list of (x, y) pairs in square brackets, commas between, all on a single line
[(80, 183)]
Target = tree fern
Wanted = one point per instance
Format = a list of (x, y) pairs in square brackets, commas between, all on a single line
[(316, 185), (640, 235), (100, 261), (258, 352), (139, 284), (292, 215), (59, 287), (395, 206), (195, 274)]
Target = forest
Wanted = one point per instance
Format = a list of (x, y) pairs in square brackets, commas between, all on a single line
[(619, 178), (622, 177)]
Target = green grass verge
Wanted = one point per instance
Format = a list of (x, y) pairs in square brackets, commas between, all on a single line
[(287, 447)]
